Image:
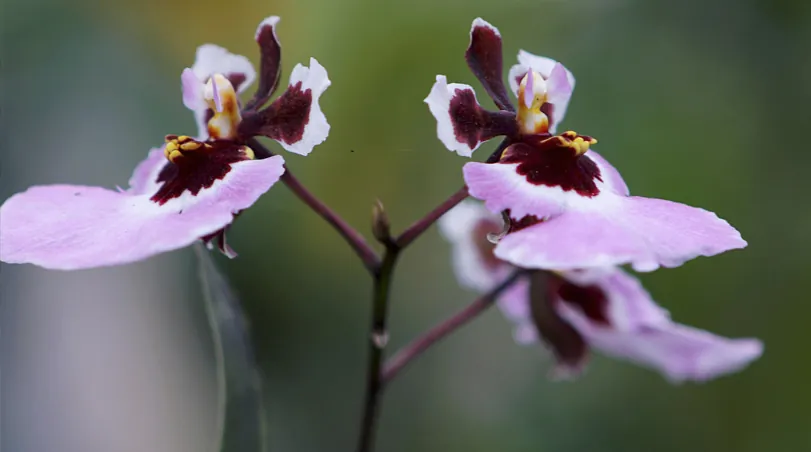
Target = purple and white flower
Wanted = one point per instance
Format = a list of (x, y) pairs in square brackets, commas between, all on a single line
[(191, 188), (568, 207), (604, 308)]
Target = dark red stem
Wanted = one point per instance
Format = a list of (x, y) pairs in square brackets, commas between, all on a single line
[(407, 354), (416, 229), (355, 240)]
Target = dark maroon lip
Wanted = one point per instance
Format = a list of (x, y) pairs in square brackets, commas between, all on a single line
[(547, 162), (197, 170)]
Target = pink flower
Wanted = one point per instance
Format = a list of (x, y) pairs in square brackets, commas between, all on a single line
[(190, 188), (568, 207), (571, 311)]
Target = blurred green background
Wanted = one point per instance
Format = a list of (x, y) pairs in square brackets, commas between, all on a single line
[(702, 102)]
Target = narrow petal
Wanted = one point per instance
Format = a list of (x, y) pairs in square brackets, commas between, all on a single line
[(485, 61), (295, 119), (73, 227), (193, 98), (466, 227), (559, 93), (192, 90), (642, 332), (212, 59), (270, 66), (646, 233), (462, 124)]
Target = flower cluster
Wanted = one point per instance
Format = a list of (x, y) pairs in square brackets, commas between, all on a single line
[(191, 187), (553, 209), (559, 210)]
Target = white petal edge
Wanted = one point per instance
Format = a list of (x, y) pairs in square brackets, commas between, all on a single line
[(458, 227), (479, 22), (314, 78), (270, 21), (439, 103), (212, 59)]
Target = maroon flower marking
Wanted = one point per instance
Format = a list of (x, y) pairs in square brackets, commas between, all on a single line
[(553, 164), (473, 124), (483, 228), (270, 66), (236, 79), (485, 60), (567, 344), (591, 300), (197, 169), (284, 120), (521, 223)]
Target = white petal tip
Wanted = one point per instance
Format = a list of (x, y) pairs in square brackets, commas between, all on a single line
[(479, 22), (271, 21), (439, 102)]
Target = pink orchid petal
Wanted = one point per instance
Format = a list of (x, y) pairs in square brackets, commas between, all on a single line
[(647, 233), (192, 90), (144, 178), (648, 337), (559, 93), (73, 227), (501, 188), (611, 177), (607, 229)]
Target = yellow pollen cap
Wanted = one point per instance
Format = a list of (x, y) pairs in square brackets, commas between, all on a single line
[(176, 145), (580, 143)]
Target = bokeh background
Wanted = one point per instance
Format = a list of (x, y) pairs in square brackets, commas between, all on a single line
[(703, 102)]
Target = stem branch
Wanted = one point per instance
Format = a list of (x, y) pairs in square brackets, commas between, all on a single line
[(416, 229), (413, 350), (370, 259)]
